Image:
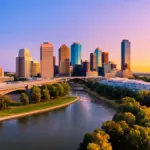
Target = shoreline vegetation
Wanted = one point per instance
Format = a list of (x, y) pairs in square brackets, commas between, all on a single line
[(22, 111), (109, 102), (36, 100), (129, 127)]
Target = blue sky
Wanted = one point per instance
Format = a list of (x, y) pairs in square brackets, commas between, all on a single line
[(93, 23)]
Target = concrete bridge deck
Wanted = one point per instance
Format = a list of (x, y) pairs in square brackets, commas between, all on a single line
[(25, 85)]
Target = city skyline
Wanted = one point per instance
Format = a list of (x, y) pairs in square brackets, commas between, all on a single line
[(105, 30)]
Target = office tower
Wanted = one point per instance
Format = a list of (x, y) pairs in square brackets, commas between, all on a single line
[(54, 60), (35, 68), (98, 53), (64, 60), (76, 50), (77, 70), (93, 65), (23, 64), (85, 67), (46, 58), (125, 54), (1, 72), (105, 58)]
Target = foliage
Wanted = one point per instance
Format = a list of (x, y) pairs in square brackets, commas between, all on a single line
[(24, 98), (54, 91), (98, 140), (66, 88), (60, 89), (130, 127), (36, 94), (45, 94), (4, 102)]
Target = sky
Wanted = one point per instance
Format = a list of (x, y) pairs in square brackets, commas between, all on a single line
[(93, 23)]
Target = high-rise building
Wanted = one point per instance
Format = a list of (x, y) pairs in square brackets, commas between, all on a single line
[(64, 60), (105, 57), (125, 54), (35, 68), (23, 64), (93, 65), (1, 72), (98, 53), (46, 58), (76, 50), (54, 60)]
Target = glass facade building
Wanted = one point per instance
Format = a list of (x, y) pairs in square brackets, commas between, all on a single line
[(98, 53), (76, 50), (125, 54)]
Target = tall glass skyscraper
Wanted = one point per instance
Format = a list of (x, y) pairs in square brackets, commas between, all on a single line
[(125, 54), (98, 53), (76, 50)]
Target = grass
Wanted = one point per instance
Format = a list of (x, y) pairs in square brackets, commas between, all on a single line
[(34, 107)]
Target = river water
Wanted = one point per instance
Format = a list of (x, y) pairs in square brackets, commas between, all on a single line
[(61, 129)]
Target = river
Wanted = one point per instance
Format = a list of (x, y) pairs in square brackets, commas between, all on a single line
[(61, 129)]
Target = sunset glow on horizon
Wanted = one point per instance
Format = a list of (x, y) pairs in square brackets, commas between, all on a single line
[(98, 23)]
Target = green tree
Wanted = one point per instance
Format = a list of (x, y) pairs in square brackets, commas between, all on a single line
[(66, 88), (36, 94), (60, 89), (127, 116), (98, 140), (45, 94), (24, 99), (54, 91), (4, 101)]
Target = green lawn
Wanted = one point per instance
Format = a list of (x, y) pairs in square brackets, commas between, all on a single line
[(34, 107)]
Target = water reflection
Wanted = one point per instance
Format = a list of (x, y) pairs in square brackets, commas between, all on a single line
[(23, 122), (60, 129)]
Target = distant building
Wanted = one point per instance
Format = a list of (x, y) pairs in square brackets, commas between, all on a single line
[(105, 57), (77, 70), (125, 54), (54, 60), (106, 68), (76, 50), (93, 65), (1, 72), (64, 60), (113, 65), (98, 53), (85, 67), (56, 70), (35, 68), (23, 64), (124, 74), (91, 73), (46, 57)]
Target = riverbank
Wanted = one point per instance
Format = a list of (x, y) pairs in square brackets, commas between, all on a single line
[(109, 102), (22, 111)]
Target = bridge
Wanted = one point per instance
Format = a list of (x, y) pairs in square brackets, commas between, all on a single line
[(26, 85)]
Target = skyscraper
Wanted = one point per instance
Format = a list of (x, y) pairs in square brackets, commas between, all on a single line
[(64, 60), (76, 49), (98, 53), (46, 58), (93, 65), (35, 68), (54, 60), (125, 54), (105, 57), (23, 64)]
